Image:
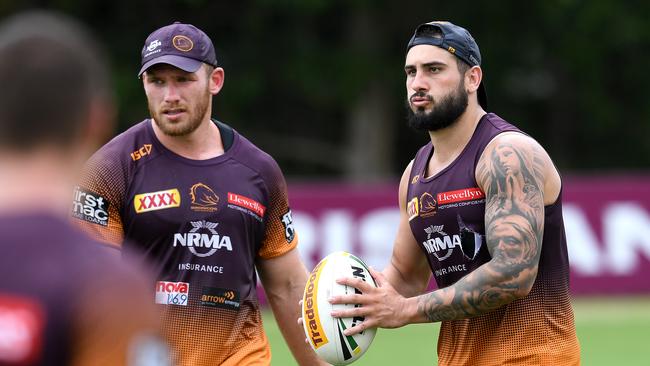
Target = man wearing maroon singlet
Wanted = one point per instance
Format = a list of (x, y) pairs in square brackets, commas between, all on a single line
[(65, 299), (208, 207), (481, 211)]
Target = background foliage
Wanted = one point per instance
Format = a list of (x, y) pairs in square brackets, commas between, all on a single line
[(319, 84)]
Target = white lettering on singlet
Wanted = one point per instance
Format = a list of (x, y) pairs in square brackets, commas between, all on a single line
[(200, 268)]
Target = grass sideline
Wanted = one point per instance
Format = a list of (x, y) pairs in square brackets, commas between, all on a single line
[(611, 331)]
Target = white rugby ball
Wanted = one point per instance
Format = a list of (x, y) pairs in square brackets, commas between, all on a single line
[(324, 332)]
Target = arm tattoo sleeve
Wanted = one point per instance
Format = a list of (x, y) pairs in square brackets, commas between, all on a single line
[(511, 174)]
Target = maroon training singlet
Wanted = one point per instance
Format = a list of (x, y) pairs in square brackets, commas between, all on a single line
[(445, 212)]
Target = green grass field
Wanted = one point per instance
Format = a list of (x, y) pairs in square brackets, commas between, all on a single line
[(612, 331)]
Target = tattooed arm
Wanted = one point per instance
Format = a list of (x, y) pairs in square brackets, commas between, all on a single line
[(513, 172), (518, 179)]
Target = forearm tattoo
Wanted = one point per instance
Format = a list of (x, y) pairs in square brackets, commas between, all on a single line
[(512, 175)]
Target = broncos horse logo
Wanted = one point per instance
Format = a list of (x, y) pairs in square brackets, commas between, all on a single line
[(203, 198)]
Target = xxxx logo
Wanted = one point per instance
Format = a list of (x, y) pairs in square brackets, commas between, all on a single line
[(153, 201)]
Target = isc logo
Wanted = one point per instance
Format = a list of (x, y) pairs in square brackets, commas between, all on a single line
[(141, 152), (172, 293)]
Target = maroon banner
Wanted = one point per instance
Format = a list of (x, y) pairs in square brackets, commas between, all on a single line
[(607, 221)]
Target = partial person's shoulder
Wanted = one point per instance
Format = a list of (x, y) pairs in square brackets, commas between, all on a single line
[(514, 152), (515, 138), (505, 132), (107, 173), (500, 124), (523, 146), (126, 145), (124, 152)]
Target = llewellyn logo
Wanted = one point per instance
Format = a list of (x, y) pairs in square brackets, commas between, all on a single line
[(461, 195), (246, 203), (203, 198)]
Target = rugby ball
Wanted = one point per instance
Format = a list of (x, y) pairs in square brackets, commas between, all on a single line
[(325, 333)]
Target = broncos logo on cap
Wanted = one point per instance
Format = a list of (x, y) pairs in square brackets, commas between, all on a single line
[(182, 43)]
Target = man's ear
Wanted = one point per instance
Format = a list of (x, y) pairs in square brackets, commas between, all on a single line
[(473, 79), (216, 80)]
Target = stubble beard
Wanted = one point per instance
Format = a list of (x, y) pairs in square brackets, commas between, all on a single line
[(445, 112), (182, 128)]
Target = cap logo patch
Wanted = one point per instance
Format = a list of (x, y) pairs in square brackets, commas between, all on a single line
[(182, 43), (153, 45), (451, 49)]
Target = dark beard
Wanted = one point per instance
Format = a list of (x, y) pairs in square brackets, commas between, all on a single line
[(444, 113), (196, 118)]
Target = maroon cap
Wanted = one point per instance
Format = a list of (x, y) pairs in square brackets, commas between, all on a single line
[(180, 45)]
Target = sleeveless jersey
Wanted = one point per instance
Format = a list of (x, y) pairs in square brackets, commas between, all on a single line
[(447, 217), (203, 223)]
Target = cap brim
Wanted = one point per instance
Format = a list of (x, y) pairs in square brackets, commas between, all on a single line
[(482, 96), (183, 63)]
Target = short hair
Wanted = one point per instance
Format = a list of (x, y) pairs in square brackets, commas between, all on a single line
[(51, 71), (209, 69)]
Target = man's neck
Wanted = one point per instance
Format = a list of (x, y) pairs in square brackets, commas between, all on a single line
[(449, 142), (203, 143)]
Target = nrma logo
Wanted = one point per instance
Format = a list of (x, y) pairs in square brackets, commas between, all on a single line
[(197, 237), (442, 245)]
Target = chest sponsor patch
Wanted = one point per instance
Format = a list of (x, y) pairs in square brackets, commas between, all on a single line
[(90, 206), (146, 202), (203, 198), (22, 323), (460, 195), (203, 240), (220, 298), (412, 208), (424, 206), (172, 293), (246, 203)]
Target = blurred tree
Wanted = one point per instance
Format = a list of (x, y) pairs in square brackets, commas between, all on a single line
[(319, 84)]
